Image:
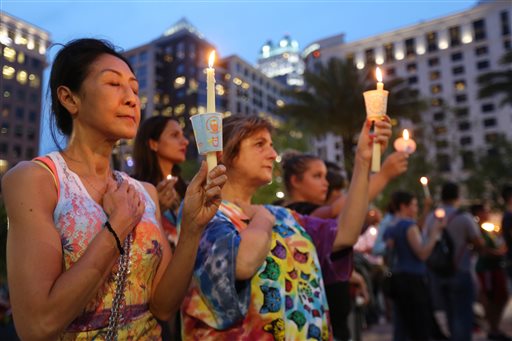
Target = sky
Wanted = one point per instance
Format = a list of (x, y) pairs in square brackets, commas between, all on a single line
[(234, 27)]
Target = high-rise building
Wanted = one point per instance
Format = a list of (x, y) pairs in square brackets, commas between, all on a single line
[(442, 59), (23, 48), (282, 61)]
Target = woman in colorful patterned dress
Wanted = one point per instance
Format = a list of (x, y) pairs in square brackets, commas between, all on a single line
[(159, 146), (258, 274), (86, 256)]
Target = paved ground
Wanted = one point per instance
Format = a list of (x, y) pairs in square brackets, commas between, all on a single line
[(384, 332)]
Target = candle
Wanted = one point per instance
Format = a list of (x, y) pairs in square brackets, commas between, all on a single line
[(211, 158), (424, 183), (405, 143), (169, 177), (210, 84), (439, 213), (376, 104)]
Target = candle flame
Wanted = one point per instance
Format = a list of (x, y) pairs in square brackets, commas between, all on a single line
[(489, 227), (439, 213), (211, 59), (378, 74), (424, 180), (169, 177), (405, 134), (373, 231)]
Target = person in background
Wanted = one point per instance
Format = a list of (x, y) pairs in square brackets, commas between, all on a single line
[(409, 289), (305, 179), (506, 226), (491, 275), (259, 269), (86, 256), (158, 149)]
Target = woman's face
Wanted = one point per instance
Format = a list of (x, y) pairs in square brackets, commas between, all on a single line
[(172, 144), (255, 159), (108, 99), (312, 186), (411, 210)]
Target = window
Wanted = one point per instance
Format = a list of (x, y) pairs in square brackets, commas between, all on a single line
[(391, 71), (459, 85), (468, 160), (31, 133), (454, 33), (436, 102), (32, 116), (507, 45), (370, 56), (505, 26), (482, 65), (431, 41), (412, 80), (17, 151), (466, 140), (457, 56), (458, 70), (20, 114), (143, 56), (461, 112), (389, 52), (29, 153), (18, 131), (463, 126), (411, 67), (443, 162), (410, 47), (436, 88), (439, 116), (481, 50), (441, 144), (434, 75), (489, 107), (479, 29), (461, 98), (491, 137), (440, 130), (489, 122), (433, 61)]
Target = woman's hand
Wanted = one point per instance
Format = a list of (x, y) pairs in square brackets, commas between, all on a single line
[(381, 135), (124, 207), (167, 196), (202, 199)]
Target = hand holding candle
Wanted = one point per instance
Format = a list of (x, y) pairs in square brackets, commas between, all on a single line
[(405, 143), (424, 183), (208, 127), (376, 102)]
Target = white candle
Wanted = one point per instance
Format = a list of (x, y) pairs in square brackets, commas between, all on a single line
[(424, 183), (378, 75), (210, 84), (376, 152), (405, 143), (211, 158)]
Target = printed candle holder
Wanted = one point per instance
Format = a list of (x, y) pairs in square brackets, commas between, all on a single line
[(376, 102), (208, 132)]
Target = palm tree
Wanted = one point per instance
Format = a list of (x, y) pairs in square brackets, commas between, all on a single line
[(332, 101), (498, 82)]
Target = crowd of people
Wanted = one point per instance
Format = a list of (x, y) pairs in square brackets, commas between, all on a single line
[(94, 253)]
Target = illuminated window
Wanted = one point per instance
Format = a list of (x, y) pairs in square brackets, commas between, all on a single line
[(179, 110), (21, 77), (454, 33), (431, 41), (21, 57), (459, 85), (435, 75), (179, 82), (8, 72), (435, 89), (34, 81), (9, 54)]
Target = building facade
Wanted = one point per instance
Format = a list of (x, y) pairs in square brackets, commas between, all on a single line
[(23, 47), (442, 60)]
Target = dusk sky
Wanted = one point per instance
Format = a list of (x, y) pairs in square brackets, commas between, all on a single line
[(234, 27)]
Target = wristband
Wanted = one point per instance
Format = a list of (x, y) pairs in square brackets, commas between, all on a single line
[(118, 242)]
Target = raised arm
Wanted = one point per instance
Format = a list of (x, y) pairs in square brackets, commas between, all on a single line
[(420, 249), (351, 219), (201, 202), (45, 297)]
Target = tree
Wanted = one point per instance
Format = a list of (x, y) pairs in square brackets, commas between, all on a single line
[(498, 82), (332, 101)]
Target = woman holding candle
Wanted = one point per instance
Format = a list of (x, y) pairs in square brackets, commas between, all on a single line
[(86, 257), (408, 286), (258, 271), (159, 147)]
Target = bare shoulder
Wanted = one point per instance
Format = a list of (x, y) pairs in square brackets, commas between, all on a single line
[(150, 188)]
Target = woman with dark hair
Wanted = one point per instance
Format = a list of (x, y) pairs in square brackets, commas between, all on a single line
[(158, 148), (305, 179), (258, 275), (409, 281), (86, 256)]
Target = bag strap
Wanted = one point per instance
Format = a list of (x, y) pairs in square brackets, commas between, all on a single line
[(458, 257)]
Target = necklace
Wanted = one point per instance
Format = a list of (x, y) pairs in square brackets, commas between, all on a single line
[(100, 192)]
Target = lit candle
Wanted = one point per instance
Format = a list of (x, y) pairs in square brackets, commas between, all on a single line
[(211, 158), (169, 177), (210, 84), (376, 102), (424, 183), (405, 143), (439, 213)]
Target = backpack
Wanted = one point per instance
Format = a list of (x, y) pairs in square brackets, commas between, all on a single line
[(442, 260)]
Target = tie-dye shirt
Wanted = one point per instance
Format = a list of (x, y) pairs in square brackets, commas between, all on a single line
[(78, 218), (284, 300)]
